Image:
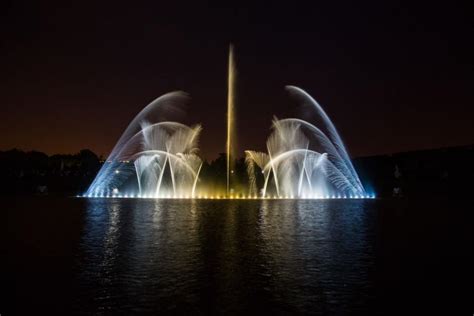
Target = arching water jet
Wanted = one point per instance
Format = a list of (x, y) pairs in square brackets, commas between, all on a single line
[(148, 150), (303, 160)]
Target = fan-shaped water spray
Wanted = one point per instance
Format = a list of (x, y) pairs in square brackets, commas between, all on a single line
[(304, 160), (153, 157)]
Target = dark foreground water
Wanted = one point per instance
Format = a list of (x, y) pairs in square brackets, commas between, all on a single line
[(66, 255)]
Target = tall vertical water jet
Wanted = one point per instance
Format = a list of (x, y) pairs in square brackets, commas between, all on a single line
[(230, 116)]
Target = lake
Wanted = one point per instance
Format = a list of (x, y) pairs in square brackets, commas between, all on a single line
[(337, 257)]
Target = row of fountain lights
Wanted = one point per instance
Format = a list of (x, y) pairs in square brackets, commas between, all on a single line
[(237, 197)]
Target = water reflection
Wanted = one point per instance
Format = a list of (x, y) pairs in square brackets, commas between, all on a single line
[(321, 251), (226, 256)]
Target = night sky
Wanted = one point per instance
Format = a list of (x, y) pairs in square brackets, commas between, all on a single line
[(392, 76)]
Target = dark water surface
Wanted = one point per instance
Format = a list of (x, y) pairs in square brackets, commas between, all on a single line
[(66, 255)]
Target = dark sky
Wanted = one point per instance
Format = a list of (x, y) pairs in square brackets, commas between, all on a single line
[(392, 76)]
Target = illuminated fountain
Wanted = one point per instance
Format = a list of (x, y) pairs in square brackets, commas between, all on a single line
[(153, 157), (303, 160), (230, 142), (156, 157)]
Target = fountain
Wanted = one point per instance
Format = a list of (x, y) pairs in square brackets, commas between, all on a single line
[(157, 158), (304, 161), (230, 142), (153, 157)]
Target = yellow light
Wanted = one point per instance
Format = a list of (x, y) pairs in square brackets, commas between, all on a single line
[(230, 113)]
